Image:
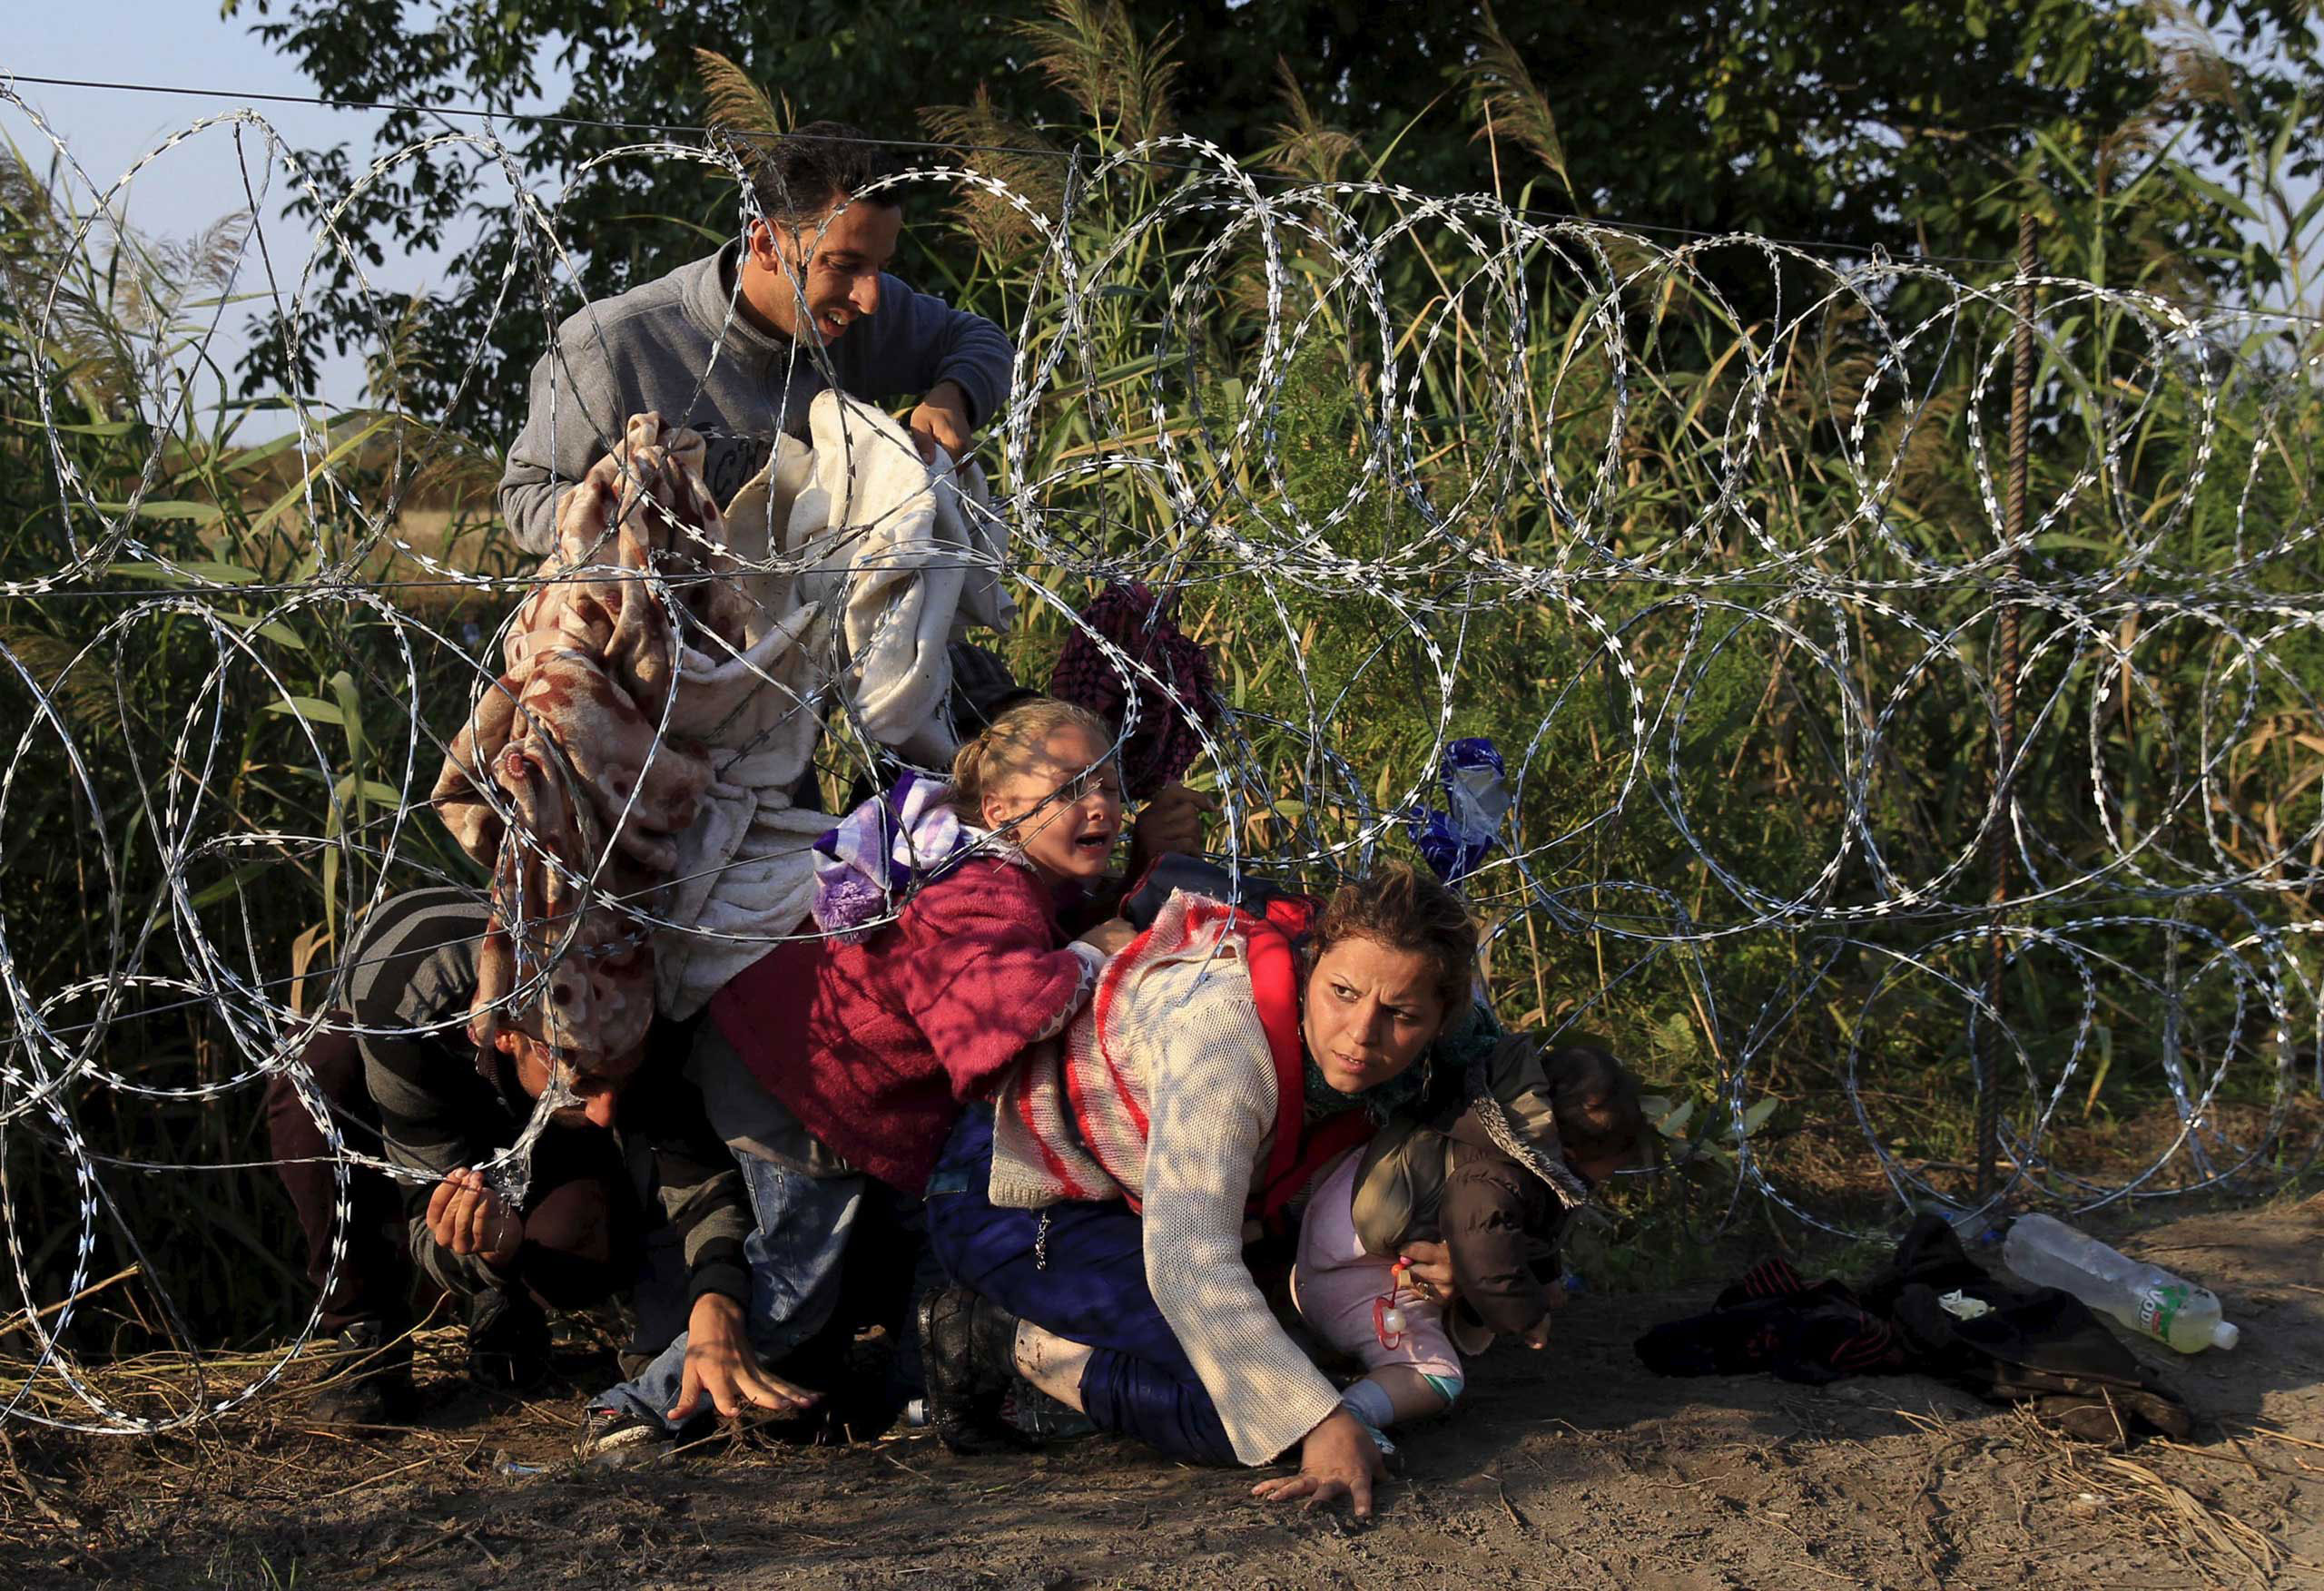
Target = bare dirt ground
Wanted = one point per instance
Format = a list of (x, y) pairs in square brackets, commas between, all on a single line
[(1575, 1467)]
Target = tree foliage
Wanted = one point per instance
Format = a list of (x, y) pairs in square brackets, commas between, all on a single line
[(1925, 127)]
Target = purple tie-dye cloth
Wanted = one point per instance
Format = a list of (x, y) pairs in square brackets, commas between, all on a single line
[(869, 864)]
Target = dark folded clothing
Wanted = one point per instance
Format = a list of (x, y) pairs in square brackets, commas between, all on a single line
[(2036, 1344), (1772, 1320), (2032, 1344), (1170, 873)]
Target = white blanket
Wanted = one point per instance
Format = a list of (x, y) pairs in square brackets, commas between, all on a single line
[(860, 564)]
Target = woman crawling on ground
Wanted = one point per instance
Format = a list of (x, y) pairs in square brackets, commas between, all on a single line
[(1092, 1221)]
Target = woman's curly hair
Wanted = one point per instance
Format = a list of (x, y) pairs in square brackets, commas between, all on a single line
[(1403, 908)]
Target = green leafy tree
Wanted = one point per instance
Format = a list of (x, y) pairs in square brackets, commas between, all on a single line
[(1926, 125)]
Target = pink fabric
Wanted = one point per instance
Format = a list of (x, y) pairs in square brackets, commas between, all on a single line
[(1335, 1283), (568, 744), (875, 1046)]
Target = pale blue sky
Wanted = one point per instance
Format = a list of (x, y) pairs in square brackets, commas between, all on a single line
[(186, 43)]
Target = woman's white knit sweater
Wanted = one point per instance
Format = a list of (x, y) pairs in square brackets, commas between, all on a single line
[(1187, 1026)]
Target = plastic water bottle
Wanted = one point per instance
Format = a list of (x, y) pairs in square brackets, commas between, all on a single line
[(2147, 1299)]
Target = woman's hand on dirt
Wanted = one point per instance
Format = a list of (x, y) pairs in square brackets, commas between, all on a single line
[(722, 1368), (1431, 1271), (1338, 1459), (465, 1216), (1112, 935)]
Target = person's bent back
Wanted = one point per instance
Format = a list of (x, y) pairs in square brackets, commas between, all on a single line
[(442, 1106)]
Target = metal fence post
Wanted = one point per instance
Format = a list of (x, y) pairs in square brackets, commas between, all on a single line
[(1997, 835)]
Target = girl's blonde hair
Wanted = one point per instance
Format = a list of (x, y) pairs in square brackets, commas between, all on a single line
[(1012, 743)]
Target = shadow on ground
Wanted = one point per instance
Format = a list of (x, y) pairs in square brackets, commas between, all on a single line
[(1572, 1468)]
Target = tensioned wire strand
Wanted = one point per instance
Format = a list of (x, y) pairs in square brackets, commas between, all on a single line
[(2155, 856)]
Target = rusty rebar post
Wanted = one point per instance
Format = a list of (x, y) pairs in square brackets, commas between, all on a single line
[(1998, 832)]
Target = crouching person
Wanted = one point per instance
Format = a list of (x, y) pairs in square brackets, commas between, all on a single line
[(835, 1065), (805, 1203), (408, 1085), (1497, 1180)]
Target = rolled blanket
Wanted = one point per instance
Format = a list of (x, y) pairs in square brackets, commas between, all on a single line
[(564, 780), (665, 684), (862, 564)]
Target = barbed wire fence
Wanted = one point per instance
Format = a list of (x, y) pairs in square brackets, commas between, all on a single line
[(1671, 458)]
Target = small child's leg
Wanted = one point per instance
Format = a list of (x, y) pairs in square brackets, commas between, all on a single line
[(1052, 1363), (1390, 1394)]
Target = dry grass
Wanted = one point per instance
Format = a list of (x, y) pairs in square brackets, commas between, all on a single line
[(2217, 1546), (1587, 1471)]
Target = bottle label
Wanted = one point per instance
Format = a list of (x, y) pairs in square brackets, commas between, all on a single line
[(2158, 1307)]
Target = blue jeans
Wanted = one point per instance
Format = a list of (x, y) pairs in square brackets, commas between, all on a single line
[(1076, 1268), (795, 1256)]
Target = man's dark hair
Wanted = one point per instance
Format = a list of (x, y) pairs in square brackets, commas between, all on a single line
[(802, 175)]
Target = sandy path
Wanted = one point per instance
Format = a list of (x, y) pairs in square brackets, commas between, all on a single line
[(1575, 1467)]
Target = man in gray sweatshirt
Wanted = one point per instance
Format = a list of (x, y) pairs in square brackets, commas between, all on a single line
[(717, 345)]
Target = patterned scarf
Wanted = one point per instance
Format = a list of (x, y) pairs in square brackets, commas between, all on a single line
[(1382, 1100)]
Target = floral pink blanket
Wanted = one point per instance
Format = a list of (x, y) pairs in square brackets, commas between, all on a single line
[(563, 781)]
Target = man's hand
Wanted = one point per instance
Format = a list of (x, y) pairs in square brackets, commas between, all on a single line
[(1112, 935), (1431, 1270), (1336, 1459), (721, 1368), (465, 1216), (1169, 825), (942, 418)]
